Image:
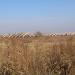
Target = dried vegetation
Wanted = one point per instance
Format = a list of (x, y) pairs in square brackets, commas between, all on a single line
[(38, 55)]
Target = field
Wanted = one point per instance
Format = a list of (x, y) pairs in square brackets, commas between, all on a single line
[(37, 55)]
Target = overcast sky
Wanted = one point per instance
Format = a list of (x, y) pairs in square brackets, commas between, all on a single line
[(37, 15)]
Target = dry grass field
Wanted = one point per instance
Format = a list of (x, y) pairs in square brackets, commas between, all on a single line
[(37, 55)]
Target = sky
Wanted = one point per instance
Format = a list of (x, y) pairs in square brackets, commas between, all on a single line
[(37, 15)]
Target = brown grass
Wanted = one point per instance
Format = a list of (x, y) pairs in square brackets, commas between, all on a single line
[(42, 55)]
